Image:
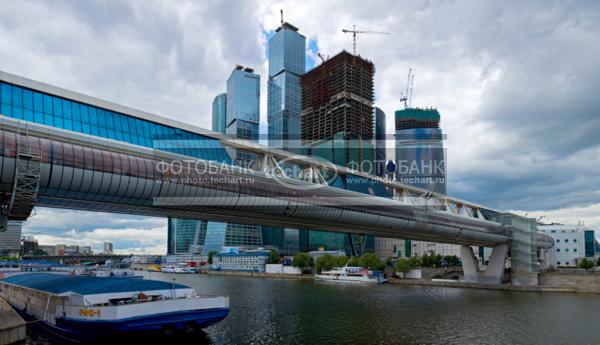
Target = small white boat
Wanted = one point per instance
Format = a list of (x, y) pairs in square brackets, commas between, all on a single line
[(110, 269), (178, 268), (350, 274)]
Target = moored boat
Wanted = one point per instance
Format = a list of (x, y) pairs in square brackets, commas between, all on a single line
[(178, 268), (351, 274), (85, 308)]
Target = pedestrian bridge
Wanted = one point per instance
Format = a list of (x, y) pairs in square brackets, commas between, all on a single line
[(85, 172), (47, 166)]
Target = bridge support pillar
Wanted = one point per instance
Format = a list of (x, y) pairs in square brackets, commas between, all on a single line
[(470, 264), (495, 269)]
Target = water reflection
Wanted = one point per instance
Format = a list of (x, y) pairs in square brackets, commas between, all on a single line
[(267, 311)]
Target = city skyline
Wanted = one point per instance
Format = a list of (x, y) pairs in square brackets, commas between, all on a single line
[(490, 153)]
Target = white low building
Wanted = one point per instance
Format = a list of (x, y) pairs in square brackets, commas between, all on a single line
[(572, 243), (249, 261)]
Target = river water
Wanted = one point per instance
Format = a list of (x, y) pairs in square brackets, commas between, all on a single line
[(273, 311)]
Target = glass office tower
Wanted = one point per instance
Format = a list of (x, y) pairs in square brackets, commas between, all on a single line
[(380, 142), (243, 103), (286, 64), (420, 155), (219, 113)]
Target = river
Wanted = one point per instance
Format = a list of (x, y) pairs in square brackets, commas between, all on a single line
[(273, 311)]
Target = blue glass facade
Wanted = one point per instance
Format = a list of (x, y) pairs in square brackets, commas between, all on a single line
[(219, 113), (243, 103), (380, 142), (420, 159), (420, 154), (286, 64)]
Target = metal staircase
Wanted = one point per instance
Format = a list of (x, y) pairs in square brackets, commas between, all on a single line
[(27, 176)]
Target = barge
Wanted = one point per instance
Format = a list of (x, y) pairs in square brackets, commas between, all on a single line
[(86, 308)]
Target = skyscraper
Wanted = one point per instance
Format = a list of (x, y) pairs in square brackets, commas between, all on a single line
[(236, 113), (380, 142), (219, 113), (337, 125), (420, 157), (337, 111), (286, 65), (243, 103), (420, 162)]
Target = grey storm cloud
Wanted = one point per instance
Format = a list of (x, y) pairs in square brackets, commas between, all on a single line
[(516, 83)]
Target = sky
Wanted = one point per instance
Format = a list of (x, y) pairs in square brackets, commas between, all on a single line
[(516, 85)]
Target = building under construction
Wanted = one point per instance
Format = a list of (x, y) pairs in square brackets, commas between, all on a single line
[(337, 100)]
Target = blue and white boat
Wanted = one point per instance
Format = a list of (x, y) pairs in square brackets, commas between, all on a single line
[(85, 308)]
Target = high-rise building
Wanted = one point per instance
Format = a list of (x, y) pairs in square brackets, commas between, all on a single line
[(337, 125), (185, 236), (420, 156), (219, 113), (243, 103), (10, 240), (108, 248), (380, 143), (420, 162), (236, 113), (286, 64), (337, 111)]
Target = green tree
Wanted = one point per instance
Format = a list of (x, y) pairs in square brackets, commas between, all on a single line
[(210, 256), (328, 261), (340, 261), (370, 260), (389, 262), (354, 261), (39, 252), (586, 264), (275, 258), (452, 260), (303, 261), (325, 262), (403, 265)]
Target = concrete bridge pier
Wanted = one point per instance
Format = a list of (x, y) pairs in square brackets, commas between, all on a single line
[(495, 269)]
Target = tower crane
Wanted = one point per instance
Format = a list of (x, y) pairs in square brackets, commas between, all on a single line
[(406, 96), (354, 32)]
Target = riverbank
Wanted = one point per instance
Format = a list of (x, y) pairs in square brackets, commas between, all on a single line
[(12, 326), (261, 275), (551, 282)]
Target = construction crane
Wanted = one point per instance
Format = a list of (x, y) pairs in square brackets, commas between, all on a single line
[(354, 32), (321, 57), (406, 96)]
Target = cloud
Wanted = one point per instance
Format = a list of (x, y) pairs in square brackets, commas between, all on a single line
[(129, 234), (516, 84)]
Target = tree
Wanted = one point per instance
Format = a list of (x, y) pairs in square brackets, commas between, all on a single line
[(39, 252), (325, 262), (340, 261), (328, 261), (354, 261), (452, 260), (303, 261), (586, 264), (210, 256), (403, 265), (389, 262), (274, 259), (370, 260)]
